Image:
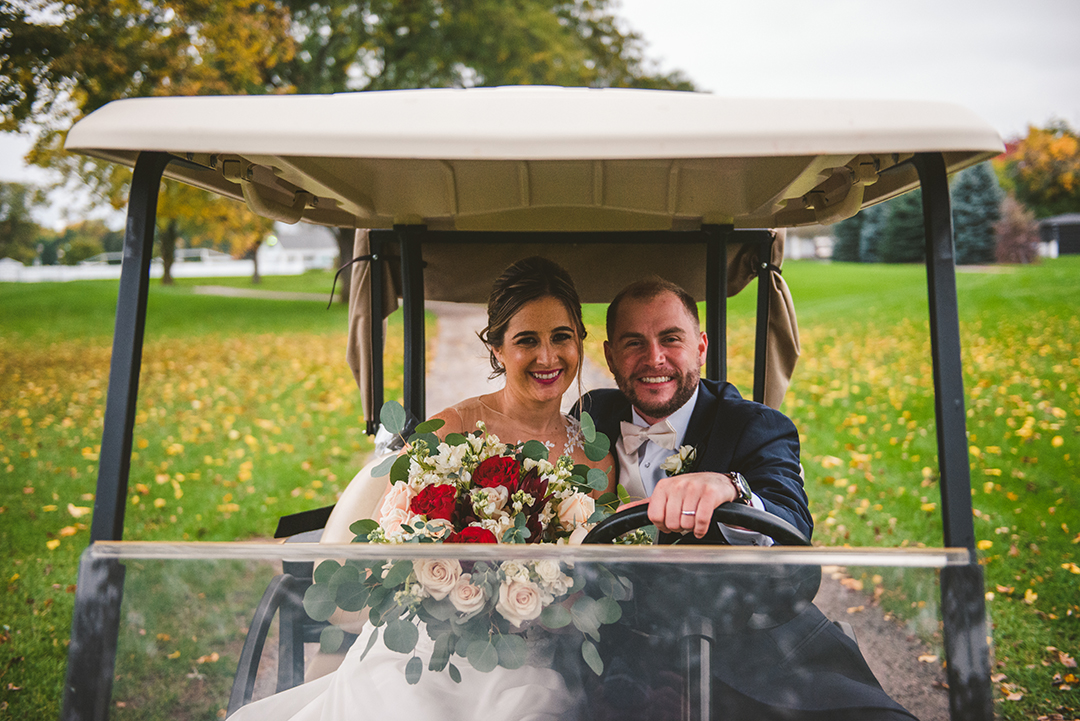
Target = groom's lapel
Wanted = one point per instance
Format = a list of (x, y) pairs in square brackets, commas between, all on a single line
[(702, 420)]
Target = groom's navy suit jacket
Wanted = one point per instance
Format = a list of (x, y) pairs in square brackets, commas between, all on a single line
[(730, 434), (802, 667)]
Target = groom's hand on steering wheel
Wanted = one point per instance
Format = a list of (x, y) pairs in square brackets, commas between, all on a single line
[(686, 502)]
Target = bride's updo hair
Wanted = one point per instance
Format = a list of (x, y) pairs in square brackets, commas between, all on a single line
[(523, 282)]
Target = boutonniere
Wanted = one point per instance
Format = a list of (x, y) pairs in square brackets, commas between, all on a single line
[(679, 462)]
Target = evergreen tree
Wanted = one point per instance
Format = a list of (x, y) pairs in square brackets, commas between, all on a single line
[(846, 239), (976, 203), (904, 240), (873, 229)]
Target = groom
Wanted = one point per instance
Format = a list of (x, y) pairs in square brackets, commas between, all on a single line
[(783, 660), (743, 451)]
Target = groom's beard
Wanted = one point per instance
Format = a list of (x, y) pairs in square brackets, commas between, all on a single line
[(687, 384)]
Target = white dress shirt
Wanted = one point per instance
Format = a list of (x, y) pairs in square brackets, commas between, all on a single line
[(651, 455)]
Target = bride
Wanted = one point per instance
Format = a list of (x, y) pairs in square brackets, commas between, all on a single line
[(534, 337)]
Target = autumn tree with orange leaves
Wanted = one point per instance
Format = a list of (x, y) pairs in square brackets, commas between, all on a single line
[(62, 60), (1042, 170)]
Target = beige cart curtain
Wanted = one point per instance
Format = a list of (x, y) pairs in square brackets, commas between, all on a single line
[(465, 272)]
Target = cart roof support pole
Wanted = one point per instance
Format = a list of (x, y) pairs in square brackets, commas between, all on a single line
[(963, 606), (716, 300), (114, 464), (412, 298)]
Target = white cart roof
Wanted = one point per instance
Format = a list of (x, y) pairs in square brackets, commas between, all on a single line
[(540, 158)]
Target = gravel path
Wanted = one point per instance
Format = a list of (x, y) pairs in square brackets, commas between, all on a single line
[(458, 369)]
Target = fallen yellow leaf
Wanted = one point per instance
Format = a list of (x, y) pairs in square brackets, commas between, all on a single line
[(68, 531), (984, 545), (1030, 596), (174, 654), (928, 658), (1057, 442), (52, 544), (77, 511)]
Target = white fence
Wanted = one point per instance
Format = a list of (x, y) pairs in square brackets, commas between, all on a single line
[(14, 272)]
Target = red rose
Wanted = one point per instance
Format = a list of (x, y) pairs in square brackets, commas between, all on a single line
[(472, 534), (435, 502), (498, 471)]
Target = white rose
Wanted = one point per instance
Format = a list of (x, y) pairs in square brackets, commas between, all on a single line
[(519, 601), (438, 577), (576, 510), (399, 497), (438, 528), (466, 597), (548, 571)]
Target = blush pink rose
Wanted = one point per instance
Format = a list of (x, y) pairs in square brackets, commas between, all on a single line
[(575, 510), (437, 576), (466, 597), (399, 496), (519, 601)]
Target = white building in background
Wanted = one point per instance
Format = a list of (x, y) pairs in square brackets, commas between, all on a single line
[(311, 246)]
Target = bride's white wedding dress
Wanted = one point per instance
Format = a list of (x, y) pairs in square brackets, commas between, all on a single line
[(375, 688)]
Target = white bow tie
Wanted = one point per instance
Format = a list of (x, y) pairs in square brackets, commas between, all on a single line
[(660, 433)]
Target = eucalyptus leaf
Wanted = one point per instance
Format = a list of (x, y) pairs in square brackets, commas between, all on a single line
[(592, 657), (512, 651), (585, 615), (370, 642), (482, 655), (455, 439), (392, 417), (364, 526), (455, 675), (413, 670), (401, 636), (535, 450), (431, 425), (430, 439), (608, 499), (597, 479), (588, 427), (345, 574), (440, 654), (325, 571), (608, 610), (400, 470), (384, 467), (439, 610), (598, 448), (330, 639), (555, 616), (624, 495), (319, 602), (397, 574), (352, 596), (598, 515)]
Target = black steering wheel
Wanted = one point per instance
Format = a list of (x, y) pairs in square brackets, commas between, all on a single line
[(732, 514)]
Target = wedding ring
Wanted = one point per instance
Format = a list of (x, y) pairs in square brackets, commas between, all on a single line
[(689, 513)]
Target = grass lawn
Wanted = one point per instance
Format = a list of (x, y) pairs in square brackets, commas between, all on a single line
[(247, 411)]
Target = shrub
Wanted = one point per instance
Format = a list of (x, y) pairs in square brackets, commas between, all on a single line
[(1017, 233)]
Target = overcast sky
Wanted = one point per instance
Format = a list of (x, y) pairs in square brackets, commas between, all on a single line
[(1014, 63)]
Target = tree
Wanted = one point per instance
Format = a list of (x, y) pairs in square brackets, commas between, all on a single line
[(1043, 169), (55, 73), (18, 231), (872, 232), (976, 201), (846, 239), (903, 238), (83, 240), (1017, 233)]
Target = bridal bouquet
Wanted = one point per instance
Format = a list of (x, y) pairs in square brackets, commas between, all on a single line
[(476, 489)]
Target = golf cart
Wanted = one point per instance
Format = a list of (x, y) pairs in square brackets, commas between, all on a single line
[(447, 187)]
